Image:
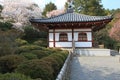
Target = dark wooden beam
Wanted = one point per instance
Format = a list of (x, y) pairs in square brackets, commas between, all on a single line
[(54, 37)]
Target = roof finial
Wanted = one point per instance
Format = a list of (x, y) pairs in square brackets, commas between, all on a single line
[(70, 6)]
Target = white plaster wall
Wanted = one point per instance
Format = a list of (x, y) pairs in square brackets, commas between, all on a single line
[(69, 32), (69, 36), (83, 44), (63, 44), (76, 36), (51, 30), (50, 44), (57, 36), (50, 36), (89, 36), (82, 30)]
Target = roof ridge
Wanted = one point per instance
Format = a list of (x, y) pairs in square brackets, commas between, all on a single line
[(56, 16), (92, 16)]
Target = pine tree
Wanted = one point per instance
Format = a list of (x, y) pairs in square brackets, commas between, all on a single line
[(49, 7), (88, 7)]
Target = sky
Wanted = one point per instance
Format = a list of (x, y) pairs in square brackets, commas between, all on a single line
[(107, 4)]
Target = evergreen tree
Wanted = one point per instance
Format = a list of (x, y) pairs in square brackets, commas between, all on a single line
[(88, 7), (49, 7), (1, 8)]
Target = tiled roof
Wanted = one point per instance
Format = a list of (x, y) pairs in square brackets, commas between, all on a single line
[(71, 17)]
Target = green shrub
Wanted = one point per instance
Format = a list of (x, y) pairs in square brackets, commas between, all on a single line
[(49, 51), (60, 57), (29, 56), (28, 48), (21, 42), (54, 64), (5, 26), (32, 34), (36, 69), (47, 66), (7, 42), (41, 42), (40, 53), (14, 76), (63, 54), (56, 49), (52, 50), (10, 62)]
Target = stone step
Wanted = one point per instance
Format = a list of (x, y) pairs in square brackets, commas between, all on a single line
[(92, 52)]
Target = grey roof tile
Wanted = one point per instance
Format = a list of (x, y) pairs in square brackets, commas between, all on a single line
[(71, 17)]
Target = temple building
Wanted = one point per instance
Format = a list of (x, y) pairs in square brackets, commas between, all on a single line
[(72, 29)]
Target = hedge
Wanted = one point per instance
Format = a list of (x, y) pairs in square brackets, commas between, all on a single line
[(36, 69), (54, 64), (40, 53), (21, 42), (14, 76), (41, 42), (29, 55), (10, 62), (28, 48), (46, 68)]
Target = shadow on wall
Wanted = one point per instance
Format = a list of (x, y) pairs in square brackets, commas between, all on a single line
[(114, 53)]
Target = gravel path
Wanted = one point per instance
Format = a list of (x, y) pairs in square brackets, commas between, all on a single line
[(95, 68)]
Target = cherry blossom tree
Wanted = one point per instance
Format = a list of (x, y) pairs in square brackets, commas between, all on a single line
[(55, 13), (115, 31), (20, 11)]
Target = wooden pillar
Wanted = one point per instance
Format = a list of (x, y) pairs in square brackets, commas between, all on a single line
[(48, 38), (72, 33), (92, 38), (54, 37), (73, 42)]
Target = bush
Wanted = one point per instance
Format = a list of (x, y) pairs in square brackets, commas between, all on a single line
[(10, 63), (29, 56), (7, 42), (31, 34), (56, 49), (58, 59), (5, 26), (14, 76), (52, 50), (21, 42), (41, 42), (36, 69), (47, 66), (40, 53), (28, 48), (54, 64)]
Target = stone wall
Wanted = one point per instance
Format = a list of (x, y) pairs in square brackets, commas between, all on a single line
[(65, 70)]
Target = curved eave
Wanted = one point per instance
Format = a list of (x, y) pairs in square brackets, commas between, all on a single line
[(47, 23), (71, 18)]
